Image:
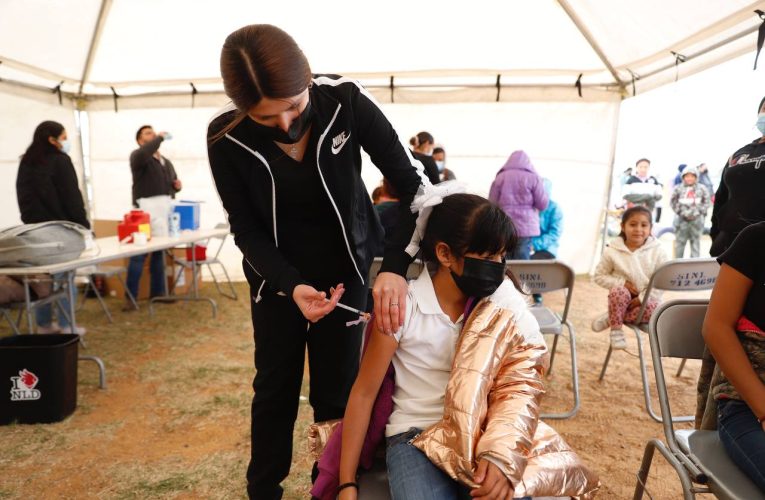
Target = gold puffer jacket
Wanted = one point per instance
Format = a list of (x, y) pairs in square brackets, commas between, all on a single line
[(491, 408)]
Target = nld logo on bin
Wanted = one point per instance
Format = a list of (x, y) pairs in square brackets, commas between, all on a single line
[(23, 386)]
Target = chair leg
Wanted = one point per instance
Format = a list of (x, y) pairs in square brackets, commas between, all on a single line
[(101, 369), (680, 368), (13, 325), (233, 295), (100, 300), (642, 476), (605, 364), (552, 354), (574, 378), (84, 294), (127, 292)]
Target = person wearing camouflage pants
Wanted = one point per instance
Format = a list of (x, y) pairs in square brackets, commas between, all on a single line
[(690, 201)]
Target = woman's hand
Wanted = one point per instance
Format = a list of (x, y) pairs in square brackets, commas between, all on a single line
[(389, 295), (313, 303), (494, 484)]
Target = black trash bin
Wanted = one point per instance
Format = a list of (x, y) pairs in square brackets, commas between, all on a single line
[(38, 378)]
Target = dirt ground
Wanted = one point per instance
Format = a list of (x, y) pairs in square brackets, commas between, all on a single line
[(174, 420)]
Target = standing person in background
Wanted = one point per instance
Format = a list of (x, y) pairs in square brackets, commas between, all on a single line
[(520, 192), (47, 189), (679, 177), (387, 209), (705, 180), (546, 245), (153, 175), (690, 201), (739, 200), (285, 155), (643, 189), (439, 156), (422, 149)]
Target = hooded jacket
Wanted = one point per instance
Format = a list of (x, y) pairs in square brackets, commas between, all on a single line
[(491, 407), (519, 191), (550, 225), (619, 264), (690, 202), (349, 119)]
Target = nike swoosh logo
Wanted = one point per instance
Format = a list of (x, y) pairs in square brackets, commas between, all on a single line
[(338, 142)]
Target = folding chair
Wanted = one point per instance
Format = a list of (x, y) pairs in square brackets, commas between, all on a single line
[(209, 262), (104, 272), (29, 305), (684, 275), (698, 457), (542, 276)]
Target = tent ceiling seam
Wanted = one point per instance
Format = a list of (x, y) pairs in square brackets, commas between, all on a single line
[(593, 43), (94, 42)]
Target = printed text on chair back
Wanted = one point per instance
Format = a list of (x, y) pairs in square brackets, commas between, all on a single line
[(686, 275), (540, 276)]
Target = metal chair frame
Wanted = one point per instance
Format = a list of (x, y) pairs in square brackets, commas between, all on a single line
[(543, 276), (675, 332), (675, 275), (209, 262)]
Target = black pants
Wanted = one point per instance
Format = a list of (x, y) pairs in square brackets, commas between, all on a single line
[(281, 336)]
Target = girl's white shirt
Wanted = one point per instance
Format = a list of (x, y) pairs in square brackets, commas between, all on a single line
[(426, 349)]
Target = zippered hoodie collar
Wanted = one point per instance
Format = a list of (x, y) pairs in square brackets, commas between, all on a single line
[(618, 244), (519, 160)]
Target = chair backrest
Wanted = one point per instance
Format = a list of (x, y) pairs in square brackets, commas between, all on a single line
[(685, 275), (675, 332), (541, 276), (222, 238), (412, 272)]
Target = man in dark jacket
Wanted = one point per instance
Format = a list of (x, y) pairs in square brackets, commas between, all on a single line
[(153, 175)]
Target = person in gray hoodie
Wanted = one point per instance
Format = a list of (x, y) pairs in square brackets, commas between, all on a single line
[(520, 192)]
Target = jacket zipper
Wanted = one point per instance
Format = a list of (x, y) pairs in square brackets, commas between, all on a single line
[(273, 207), (334, 205)]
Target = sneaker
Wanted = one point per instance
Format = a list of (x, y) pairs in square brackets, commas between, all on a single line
[(600, 323), (617, 340), (79, 330), (52, 328)]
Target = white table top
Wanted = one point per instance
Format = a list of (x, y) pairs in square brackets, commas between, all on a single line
[(110, 249)]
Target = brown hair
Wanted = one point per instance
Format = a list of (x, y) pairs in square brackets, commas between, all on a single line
[(257, 61), (630, 212)]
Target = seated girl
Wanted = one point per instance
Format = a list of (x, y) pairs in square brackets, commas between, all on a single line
[(734, 330), (625, 268), (469, 365)]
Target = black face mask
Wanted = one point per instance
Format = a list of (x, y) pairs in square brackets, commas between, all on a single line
[(297, 129), (480, 277)]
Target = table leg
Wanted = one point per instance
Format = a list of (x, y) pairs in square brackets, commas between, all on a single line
[(193, 296)]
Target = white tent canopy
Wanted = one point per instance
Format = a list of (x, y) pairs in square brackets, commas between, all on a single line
[(433, 66), (90, 47)]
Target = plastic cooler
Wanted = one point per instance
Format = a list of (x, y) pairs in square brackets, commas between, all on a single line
[(38, 378), (189, 212), (135, 221)]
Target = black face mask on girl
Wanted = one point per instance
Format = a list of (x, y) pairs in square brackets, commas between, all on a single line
[(296, 131), (480, 277)]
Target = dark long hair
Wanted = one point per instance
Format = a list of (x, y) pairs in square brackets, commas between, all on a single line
[(627, 215), (257, 61), (469, 223), (421, 138), (41, 147)]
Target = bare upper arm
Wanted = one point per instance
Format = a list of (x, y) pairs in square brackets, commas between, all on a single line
[(728, 298), (375, 362)]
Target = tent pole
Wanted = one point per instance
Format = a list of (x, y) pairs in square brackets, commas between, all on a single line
[(607, 197), (80, 115), (99, 29), (591, 40)]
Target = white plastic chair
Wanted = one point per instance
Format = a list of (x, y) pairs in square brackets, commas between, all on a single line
[(697, 456), (542, 276), (685, 275)]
